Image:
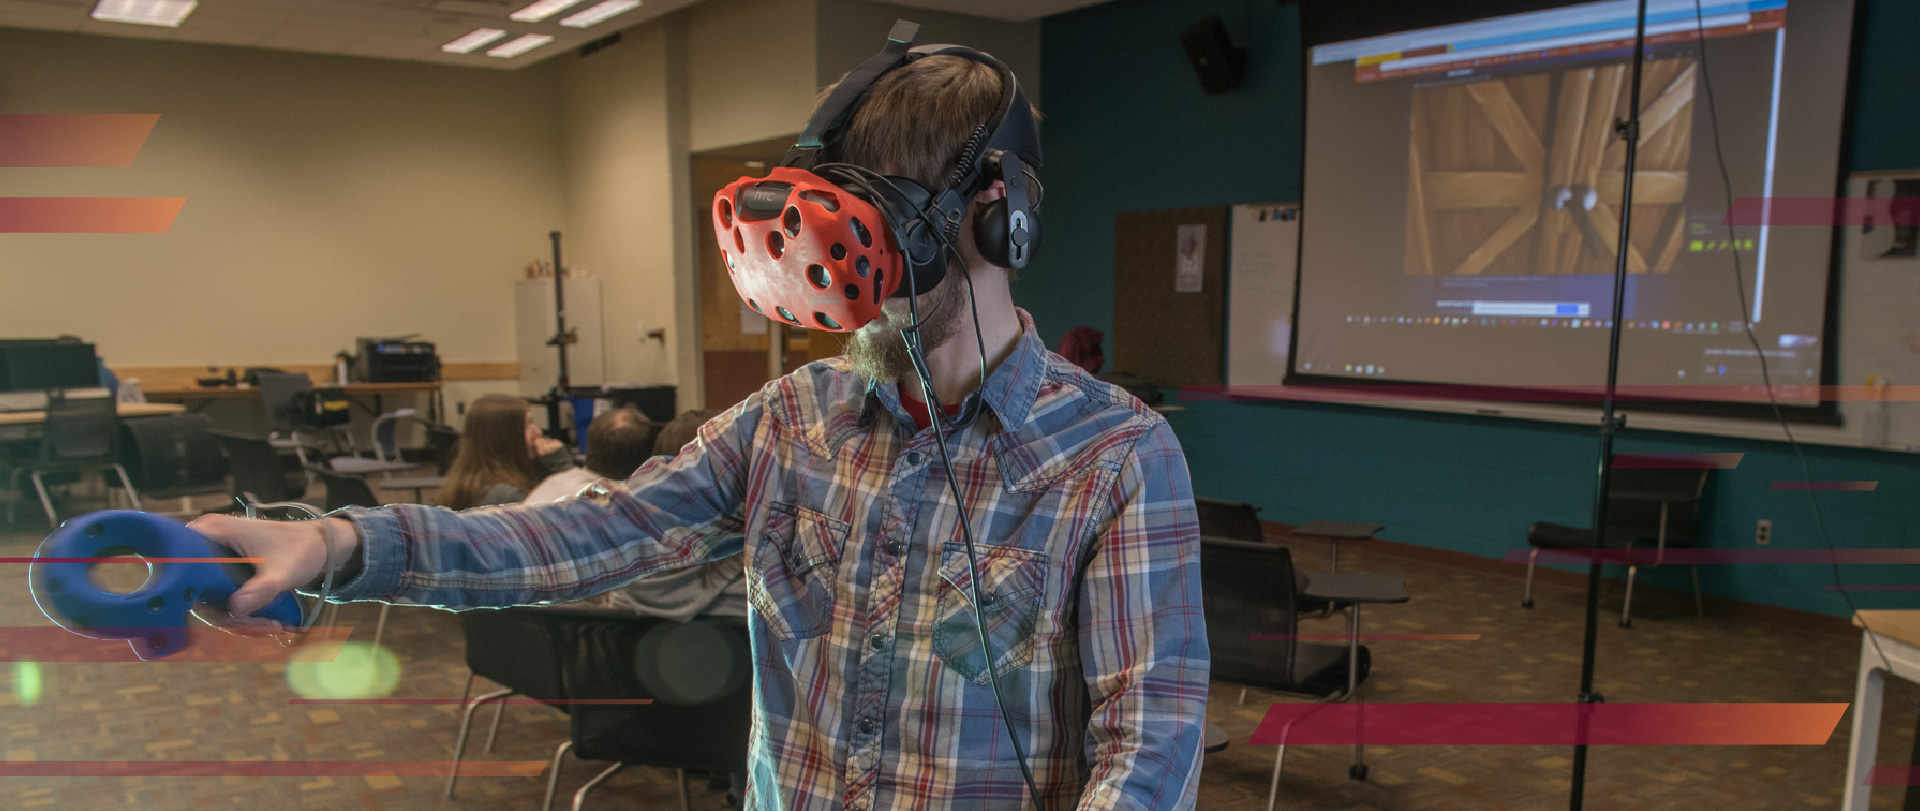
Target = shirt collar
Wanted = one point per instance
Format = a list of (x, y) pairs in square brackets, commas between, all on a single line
[(1011, 387)]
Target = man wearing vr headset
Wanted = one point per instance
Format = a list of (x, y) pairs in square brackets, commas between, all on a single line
[(872, 525)]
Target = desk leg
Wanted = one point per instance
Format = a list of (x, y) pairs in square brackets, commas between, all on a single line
[(1866, 727), (1359, 769)]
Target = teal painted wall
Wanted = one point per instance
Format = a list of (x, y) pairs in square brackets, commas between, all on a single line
[(1127, 128)]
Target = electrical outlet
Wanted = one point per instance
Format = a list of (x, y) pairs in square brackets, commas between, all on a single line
[(1763, 532)]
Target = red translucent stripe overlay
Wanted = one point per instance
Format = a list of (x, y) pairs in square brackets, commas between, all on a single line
[(1438, 392), (1673, 461), (1366, 637), (268, 768), (73, 140), (1823, 211), (49, 643), (549, 701), (1716, 556), (1549, 724), (88, 215), (1873, 588), (1858, 487), (1893, 776)]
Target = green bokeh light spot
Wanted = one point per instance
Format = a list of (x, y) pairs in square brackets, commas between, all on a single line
[(343, 670), (26, 683)]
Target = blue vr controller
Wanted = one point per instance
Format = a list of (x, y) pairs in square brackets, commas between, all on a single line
[(153, 619)]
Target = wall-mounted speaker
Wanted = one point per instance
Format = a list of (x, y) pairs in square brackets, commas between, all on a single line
[(1220, 65)]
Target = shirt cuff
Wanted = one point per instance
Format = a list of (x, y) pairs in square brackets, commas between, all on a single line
[(383, 554)]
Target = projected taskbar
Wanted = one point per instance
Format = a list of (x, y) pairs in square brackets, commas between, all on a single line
[(1544, 314)]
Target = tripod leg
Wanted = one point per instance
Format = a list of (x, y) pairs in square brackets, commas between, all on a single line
[(1626, 608), (1526, 600)]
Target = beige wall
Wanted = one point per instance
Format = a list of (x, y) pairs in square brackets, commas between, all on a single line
[(849, 31), (328, 197), (750, 70), (625, 198)]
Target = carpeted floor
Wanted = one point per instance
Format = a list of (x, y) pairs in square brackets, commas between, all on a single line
[(233, 711)]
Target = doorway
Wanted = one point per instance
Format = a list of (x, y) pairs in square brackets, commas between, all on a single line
[(740, 349)]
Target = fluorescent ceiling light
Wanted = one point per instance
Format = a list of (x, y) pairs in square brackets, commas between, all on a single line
[(607, 8), (169, 13), (521, 45), (468, 43), (542, 9)]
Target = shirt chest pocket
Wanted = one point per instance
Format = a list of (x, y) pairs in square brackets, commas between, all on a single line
[(1012, 585), (797, 565)]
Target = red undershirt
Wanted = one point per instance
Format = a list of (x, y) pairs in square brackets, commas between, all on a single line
[(917, 408)]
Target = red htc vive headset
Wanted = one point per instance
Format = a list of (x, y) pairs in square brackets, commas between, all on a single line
[(821, 244)]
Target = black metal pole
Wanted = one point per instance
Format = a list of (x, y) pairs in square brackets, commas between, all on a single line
[(1629, 131), (559, 341)]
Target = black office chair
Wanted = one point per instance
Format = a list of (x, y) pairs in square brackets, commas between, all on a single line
[(1247, 589), (1240, 521), (513, 647), (344, 492), (698, 673), (260, 479), (1647, 509), (444, 440), (173, 456), (79, 435)]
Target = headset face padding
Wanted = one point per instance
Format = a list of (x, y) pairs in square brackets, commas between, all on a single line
[(794, 260)]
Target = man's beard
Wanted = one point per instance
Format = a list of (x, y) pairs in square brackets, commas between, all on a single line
[(878, 351)]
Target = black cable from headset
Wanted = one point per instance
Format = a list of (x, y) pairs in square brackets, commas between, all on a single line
[(917, 354), (1766, 380)]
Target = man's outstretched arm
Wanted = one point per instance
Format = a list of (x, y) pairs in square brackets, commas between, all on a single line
[(1143, 639), (671, 513)]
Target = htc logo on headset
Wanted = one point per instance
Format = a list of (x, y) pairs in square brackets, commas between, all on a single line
[(822, 245)]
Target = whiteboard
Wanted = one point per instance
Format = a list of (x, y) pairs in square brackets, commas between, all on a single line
[(1877, 336), (1262, 257)]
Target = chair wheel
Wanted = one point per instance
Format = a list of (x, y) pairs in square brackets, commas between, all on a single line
[(1357, 771), (1527, 603)]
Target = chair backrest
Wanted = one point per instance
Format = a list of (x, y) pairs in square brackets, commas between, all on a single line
[(276, 394), (173, 451), (385, 431), (1637, 493), (1232, 520), (256, 467), (347, 491), (514, 647), (699, 674), (445, 441), (1246, 590), (79, 429)]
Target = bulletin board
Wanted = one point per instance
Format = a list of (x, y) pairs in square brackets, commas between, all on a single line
[(1169, 295)]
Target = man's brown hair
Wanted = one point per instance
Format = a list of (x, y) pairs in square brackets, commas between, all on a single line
[(917, 117)]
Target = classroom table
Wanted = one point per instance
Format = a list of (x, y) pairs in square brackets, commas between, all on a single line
[(201, 395), (1353, 589), (1895, 635), (24, 424)]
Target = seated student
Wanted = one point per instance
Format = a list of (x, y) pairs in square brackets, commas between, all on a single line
[(716, 589), (618, 443), (501, 455)]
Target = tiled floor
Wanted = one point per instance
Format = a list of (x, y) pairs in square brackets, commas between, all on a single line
[(220, 711)]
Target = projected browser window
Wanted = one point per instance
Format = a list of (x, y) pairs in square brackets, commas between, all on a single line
[(1464, 183)]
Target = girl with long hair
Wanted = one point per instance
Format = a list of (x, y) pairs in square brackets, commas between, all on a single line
[(501, 455)]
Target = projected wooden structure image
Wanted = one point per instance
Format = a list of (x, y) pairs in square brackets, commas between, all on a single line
[(1522, 176)]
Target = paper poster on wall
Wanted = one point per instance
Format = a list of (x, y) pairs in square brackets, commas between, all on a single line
[(1190, 258), (1890, 233)]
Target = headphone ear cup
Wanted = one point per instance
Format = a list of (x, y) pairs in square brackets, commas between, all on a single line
[(990, 233)]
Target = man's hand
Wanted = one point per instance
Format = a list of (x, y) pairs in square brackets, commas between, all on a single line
[(543, 446), (292, 554)]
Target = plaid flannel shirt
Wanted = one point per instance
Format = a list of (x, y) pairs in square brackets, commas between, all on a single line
[(871, 689)]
